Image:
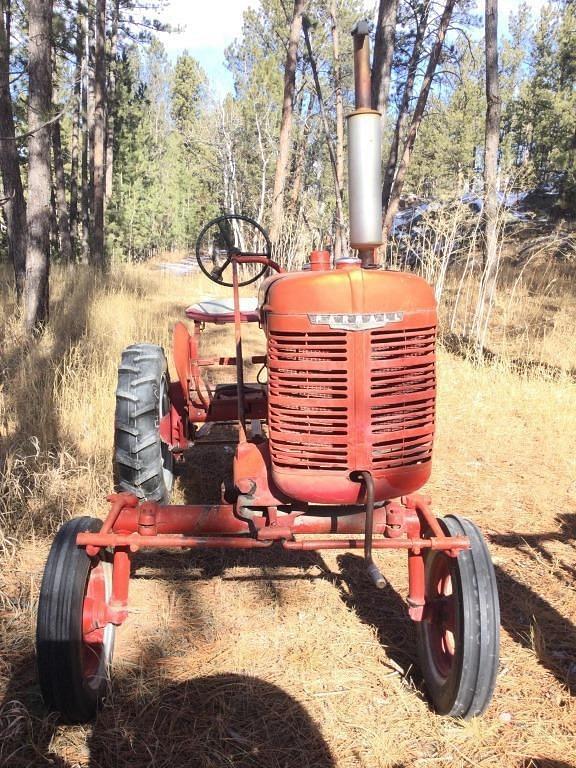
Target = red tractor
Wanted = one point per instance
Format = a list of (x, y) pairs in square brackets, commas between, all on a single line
[(336, 443)]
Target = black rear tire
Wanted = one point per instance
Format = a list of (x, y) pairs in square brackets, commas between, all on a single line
[(458, 641), (143, 464), (73, 668)]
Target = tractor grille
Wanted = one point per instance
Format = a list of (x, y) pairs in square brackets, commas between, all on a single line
[(308, 391), (403, 386), (314, 414)]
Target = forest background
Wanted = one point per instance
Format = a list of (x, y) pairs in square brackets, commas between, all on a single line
[(124, 154)]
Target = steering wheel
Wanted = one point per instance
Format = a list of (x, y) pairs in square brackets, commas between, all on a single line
[(233, 237)]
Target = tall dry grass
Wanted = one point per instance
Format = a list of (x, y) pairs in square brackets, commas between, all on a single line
[(525, 318), (57, 395), (218, 643)]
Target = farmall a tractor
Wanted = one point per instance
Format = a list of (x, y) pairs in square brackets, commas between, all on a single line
[(331, 451)]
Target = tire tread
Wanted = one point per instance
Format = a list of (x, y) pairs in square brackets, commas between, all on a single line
[(138, 457)]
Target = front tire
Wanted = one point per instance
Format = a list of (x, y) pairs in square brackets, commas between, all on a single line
[(143, 464), (458, 640), (73, 663)]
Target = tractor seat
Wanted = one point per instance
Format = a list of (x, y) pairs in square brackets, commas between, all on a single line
[(213, 310)]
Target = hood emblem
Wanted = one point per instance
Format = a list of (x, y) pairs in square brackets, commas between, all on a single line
[(356, 321)]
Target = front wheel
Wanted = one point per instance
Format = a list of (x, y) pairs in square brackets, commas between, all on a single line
[(73, 657), (458, 640)]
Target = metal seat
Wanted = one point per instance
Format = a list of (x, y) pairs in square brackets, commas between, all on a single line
[(221, 310)]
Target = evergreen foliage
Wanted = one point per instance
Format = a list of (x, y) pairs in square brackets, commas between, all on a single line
[(180, 155)]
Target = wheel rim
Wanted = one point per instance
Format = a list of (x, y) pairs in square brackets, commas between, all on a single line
[(167, 459), (97, 643), (442, 629)]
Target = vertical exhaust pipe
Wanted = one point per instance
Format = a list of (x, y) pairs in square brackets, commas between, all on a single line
[(364, 155)]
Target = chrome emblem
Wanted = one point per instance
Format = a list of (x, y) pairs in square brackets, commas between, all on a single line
[(357, 322)]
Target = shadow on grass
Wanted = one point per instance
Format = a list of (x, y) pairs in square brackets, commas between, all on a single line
[(383, 609), (535, 624), (527, 616), (544, 762), (531, 544), (209, 722)]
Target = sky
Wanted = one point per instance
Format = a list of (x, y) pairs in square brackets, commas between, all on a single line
[(208, 28)]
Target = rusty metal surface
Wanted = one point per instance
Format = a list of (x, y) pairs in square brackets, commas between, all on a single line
[(362, 73), (340, 400)]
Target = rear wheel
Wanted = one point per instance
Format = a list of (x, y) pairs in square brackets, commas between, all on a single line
[(143, 464), (458, 640), (73, 658)]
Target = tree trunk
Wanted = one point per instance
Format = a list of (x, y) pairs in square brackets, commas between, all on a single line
[(61, 205), (283, 159), (111, 103), (339, 242), (39, 186), (491, 142), (86, 142), (14, 205), (300, 159), (390, 170), (98, 256), (332, 155), (416, 120), (76, 121), (383, 53)]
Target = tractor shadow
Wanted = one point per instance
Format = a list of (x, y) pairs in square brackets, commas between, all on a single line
[(208, 722), (383, 609), (532, 544), (527, 616), (217, 720), (536, 625)]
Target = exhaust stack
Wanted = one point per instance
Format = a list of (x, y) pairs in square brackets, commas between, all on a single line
[(364, 155)]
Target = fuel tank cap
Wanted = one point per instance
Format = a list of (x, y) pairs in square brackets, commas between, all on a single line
[(348, 263)]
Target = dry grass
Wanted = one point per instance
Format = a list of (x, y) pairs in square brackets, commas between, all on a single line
[(287, 660)]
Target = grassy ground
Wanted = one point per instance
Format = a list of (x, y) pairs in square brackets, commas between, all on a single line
[(281, 660)]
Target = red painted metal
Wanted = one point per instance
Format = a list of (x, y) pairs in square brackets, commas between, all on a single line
[(350, 406), (320, 261), (182, 354), (213, 519), (94, 606), (240, 392), (94, 620), (133, 542), (445, 543), (118, 606), (440, 613), (416, 583), (343, 401), (255, 359), (150, 524), (131, 526), (252, 477), (257, 258)]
